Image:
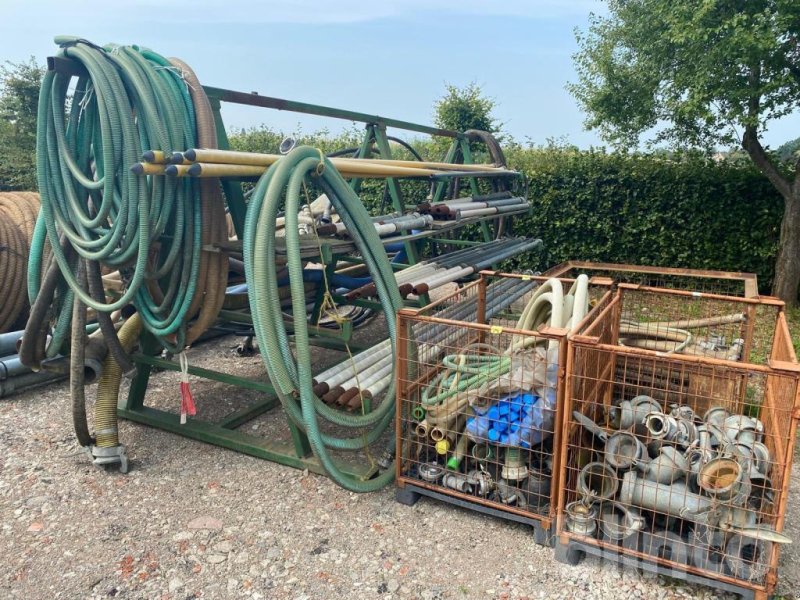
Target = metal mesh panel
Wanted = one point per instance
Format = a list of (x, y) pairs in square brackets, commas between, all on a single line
[(479, 400), (694, 280), (681, 456)]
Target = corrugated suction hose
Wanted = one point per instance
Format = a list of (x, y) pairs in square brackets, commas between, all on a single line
[(18, 212)]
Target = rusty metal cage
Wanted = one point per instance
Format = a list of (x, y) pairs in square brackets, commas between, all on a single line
[(728, 283), (680, 417), (478, 411)]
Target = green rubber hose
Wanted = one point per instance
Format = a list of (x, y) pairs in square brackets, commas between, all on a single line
[(127, 99), (290, 376)]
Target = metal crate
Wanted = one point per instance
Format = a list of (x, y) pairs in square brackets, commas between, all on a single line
[(728, 283), (677, 448), (479, 401)]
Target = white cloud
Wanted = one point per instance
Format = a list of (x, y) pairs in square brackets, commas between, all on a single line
[(285, 11)]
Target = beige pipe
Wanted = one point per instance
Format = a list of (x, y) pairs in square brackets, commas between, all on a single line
[(697, 323), (347, 169), (232, 157)]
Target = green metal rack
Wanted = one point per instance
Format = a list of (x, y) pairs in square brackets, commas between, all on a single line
[(225, 432)]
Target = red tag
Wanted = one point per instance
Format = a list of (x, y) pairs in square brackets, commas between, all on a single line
[(187, 402)]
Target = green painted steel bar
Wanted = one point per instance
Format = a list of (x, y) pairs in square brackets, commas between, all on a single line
[(168, 365), (239, 417), (473, 186), (259, 447), (323, 111), (234, 196)]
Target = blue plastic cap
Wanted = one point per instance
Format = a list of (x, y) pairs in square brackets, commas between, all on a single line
[(528, 399), (503, 408), (493, 413), (500, 426), (494, 435)]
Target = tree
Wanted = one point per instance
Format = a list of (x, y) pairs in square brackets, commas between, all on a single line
[(19, 98), (700, 73), (465, 108), (789, 150)]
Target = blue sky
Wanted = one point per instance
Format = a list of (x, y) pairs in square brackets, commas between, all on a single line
[(390, 57)]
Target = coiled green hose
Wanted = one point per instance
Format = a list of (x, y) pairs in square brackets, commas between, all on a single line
[(148, 228), (292, 378)]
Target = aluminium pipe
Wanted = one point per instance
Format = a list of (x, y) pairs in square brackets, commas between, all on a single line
[(363, 385), (344, 370), (526, 247), (11, 366), (8, 342), (441, 279), (670, 499), (15, 384), (492, 210)]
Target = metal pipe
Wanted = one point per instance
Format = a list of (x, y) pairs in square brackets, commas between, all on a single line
[(11, 366), (674, 500), (8, 342), (14, 384)]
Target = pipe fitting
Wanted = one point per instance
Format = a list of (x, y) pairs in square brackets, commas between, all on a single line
[(666, 545), (619, 522), (661, 426), (457, 482), (581, 518), (430, 472), (742, 429), (748, 557), (630, 413), (669, 466), (598, 480), (624, 451), (716, 416), (724, 479), (514, 468), (481, 482), (674, 500), (482, 453)]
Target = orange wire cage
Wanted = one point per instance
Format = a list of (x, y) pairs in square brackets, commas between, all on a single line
[(728, 283), (478, 399), (680, 413)]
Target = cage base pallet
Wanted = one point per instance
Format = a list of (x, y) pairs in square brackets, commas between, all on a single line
[(572, 552), (408, 494)]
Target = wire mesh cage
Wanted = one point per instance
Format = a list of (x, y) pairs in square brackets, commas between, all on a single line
[(680, 418), (728, 283), (479, 394)]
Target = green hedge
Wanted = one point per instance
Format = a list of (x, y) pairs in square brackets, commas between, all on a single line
[(682, 211)]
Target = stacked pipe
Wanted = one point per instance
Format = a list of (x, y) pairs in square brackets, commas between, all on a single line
[(384, 226), (436, 272), (368, 373), (204, 162), (497, 203), (14, 376)]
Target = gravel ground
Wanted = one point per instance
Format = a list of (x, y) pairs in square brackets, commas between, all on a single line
[(194, 521)]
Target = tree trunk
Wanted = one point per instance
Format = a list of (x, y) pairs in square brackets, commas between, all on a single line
[(787, 265)]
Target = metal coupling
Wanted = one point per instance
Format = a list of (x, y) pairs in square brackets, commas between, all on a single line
[(581, 518), (110, 456)]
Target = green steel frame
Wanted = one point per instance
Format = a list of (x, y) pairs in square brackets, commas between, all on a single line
[(224, 433)]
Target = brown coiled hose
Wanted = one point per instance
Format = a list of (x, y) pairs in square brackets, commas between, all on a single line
[(213, 271), (18, 212)]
